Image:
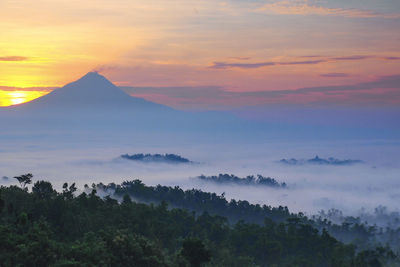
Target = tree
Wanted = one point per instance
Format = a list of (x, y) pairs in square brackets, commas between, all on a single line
[(195, 252), (43, 189), (68, 192), (24, 179), (126, 199), (2, 204)]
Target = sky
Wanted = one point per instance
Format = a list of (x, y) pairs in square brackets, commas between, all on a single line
[(206, 53)]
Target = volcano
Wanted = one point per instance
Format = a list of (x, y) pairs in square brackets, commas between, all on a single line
[(94, 106), (91, 92)]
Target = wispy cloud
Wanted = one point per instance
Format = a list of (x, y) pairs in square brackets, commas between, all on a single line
[(39, 89), (385, 91), (356, 57), (334, 75), (302, 7), (392, 58), (307, 62), (311, 56), (13, 58), (104, 68), (226, 65), (240, 58), (387, 82)]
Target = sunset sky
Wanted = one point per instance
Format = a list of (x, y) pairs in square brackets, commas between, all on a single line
[(206, 54)]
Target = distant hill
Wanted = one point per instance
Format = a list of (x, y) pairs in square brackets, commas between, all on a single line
[(320, 161), (166, 158)]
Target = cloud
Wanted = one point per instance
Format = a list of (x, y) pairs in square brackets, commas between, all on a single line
[(227, 65), (307, 62), (240, 58), (383, 91), (387, 82), (13, 58), (104, 68), (357, 57), (302, 7), (312, 56), (39, 89), (334, 75), (392, 58)]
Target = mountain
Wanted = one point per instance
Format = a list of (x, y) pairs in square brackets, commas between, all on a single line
[(91, 92), (93, 106)]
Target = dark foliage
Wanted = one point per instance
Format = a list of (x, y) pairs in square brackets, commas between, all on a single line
[(194, 251), (24, 179), (47, 228), (350, 231), (249, 180), (198, 201), (167, 158), (320, 161)]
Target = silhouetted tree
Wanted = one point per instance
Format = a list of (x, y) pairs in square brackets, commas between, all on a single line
[(68, 192), (43, 189), (24, 179)]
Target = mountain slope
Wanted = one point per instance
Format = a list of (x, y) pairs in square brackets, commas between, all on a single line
[(92, 91)]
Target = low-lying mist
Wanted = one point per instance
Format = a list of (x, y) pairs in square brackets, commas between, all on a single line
[(353, 189)]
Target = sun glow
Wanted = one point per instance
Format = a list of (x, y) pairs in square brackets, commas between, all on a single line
[(9, 98)]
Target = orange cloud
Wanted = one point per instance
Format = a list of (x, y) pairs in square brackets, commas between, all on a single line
[(301, 7), (13, 58)]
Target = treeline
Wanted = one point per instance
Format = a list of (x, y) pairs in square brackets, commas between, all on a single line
[(320, 161), (198, 201), (362, 230), (350, 231), (166, 158), (248, 180), (49, 228)]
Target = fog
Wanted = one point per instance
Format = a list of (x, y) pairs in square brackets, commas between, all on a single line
[(311, 188)]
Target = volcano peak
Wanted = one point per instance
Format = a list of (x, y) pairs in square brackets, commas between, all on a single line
[(93, 76)]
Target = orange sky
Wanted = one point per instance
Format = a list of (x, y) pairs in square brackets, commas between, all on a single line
[(237, 45)]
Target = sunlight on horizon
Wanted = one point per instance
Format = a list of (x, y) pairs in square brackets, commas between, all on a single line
[(10, 98)]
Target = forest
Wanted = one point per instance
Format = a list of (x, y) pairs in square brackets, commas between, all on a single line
[(166, 158), (321, 161), (248, 180), (349, 229), (43, 227)]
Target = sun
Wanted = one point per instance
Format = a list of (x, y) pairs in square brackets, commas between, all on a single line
[(18, 97), (9, 98)]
